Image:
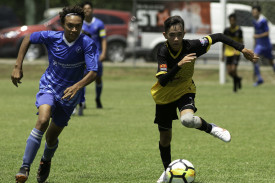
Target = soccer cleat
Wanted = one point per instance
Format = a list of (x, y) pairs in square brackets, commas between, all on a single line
[(220, 133), (43, 171), (22, 175), (74, 111), (98, 104), (259, 82), (162, 178)]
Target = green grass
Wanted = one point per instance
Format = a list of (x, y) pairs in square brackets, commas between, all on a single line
[(119, 144)]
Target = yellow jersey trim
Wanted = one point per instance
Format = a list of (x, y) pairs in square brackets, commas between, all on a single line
[(210, 43), (172, 55), (102, 33), (161, 72)]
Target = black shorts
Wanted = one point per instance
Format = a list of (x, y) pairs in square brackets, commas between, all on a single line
[(166, 113), (234, 60)]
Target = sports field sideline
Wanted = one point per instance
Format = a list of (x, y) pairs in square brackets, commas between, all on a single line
[(119, 144)]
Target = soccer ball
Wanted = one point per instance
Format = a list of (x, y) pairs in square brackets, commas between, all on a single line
[(180, 171)]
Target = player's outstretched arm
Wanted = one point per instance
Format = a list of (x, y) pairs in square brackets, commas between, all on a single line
[(70, 92), (250, 55), (17, 72)]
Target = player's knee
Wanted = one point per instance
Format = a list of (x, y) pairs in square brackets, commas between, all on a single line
[(42, 123), (190, 121)]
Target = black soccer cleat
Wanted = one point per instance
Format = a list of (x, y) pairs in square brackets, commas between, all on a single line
[(98, 104), (22, 175), (43, 171)]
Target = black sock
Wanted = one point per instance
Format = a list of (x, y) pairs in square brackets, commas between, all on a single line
[(205, 126), (165, 154), (235, 83)]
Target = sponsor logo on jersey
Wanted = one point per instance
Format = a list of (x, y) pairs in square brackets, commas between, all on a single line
[(163, 67), (78, 49), (204, 41)]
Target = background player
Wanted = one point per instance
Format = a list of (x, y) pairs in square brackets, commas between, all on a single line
[(263, 46), (232, 55), (94, 28), (175, 87), (60, 87)]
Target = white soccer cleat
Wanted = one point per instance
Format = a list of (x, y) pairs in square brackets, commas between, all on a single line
[(162, 178), (220, 133)]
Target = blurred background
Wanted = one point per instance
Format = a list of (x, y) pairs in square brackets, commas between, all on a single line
[(134, 27)]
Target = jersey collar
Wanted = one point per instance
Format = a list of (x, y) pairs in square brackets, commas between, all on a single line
[(71, 43), (171, 53), (89, 23)]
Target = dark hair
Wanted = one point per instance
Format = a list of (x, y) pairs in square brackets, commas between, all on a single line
[(74, 10), (173, 20), (257, 7), (233, 15), (87, 3)]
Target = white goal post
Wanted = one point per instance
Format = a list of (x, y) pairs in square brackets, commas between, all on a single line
[(222, 69)]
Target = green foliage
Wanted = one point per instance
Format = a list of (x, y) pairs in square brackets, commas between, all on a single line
[(40, 6), (119, 144)]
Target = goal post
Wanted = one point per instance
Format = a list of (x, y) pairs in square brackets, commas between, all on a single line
[(222, 69)]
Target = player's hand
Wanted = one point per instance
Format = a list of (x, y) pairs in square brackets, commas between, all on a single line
[(16, 76), (70, 92), (250, 55), (101, 57), (188, 58)]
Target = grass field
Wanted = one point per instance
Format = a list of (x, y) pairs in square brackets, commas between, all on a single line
[(119, 144)]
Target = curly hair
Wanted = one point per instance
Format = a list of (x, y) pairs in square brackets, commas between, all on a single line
[(74, 10)]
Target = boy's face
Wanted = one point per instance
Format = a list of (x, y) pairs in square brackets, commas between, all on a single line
[(72, 27), (255, 13), (232, 21), (174, 36), (88, 10)]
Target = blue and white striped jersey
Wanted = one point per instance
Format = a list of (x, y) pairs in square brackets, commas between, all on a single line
[(67, 62), (96, 29)]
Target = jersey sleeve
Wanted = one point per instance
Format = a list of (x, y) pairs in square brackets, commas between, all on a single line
[(39, 37), (162, 63), (265, 25), (102, 31), (200, 46), (91, 55)]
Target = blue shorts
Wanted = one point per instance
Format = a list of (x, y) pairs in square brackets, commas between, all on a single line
[(263, 51), (60, 114)]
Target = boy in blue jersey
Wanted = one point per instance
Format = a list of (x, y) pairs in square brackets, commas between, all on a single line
[(94, 28), (69, 53), (263, 46)]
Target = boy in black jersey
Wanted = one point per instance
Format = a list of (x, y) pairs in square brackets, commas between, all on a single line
[(232, 55), (175, 87)]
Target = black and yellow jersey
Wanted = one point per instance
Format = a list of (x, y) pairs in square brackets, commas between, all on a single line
[(182, 82), (237, 35)]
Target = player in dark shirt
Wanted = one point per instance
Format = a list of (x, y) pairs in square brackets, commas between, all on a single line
[(231, 54), (175, 87)]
